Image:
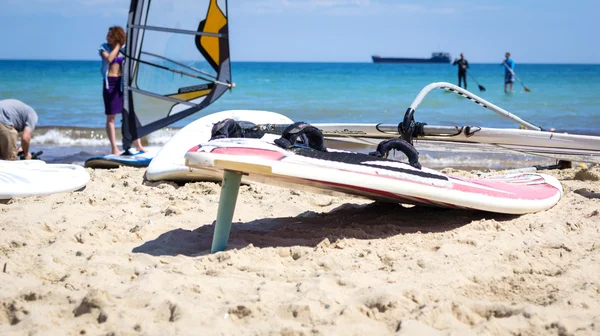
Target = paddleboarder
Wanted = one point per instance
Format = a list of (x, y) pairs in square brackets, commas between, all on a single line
[(509, 73), (463, 65)]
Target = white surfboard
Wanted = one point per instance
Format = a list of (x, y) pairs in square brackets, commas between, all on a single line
[(137, 159), (20, 163), (36, 178), (374, 178), (169, 163)]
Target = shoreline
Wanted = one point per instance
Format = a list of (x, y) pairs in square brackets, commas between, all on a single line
[(432, 155)]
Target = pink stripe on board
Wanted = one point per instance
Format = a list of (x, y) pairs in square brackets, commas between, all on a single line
[(257, 152), (508, 190)]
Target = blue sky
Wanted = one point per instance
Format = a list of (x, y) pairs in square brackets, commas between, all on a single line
[(534, 31)]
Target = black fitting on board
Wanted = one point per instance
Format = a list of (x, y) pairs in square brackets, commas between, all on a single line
[(409, 128), (387, 145), (300, 131)]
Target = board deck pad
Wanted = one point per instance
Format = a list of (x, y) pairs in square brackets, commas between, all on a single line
[(374, 178)]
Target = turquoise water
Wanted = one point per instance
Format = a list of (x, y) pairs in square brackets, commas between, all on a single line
[(68, 95)]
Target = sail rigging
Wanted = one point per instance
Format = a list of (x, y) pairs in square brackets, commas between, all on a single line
[(177, 62)]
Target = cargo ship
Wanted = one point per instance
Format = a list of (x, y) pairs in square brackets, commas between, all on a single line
[(436, 57)]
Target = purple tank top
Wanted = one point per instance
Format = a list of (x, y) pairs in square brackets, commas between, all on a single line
[(118, 60)]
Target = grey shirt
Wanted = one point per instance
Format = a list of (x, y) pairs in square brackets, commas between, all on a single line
[(17, 114)]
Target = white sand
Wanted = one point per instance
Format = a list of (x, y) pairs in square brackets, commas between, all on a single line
[(129, 258)]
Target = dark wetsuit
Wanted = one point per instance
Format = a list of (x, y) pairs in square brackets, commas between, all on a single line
[(462, 71)]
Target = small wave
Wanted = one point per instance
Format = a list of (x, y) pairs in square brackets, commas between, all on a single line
[(66, 138), (161, 136), (91, 137), (487, 160)]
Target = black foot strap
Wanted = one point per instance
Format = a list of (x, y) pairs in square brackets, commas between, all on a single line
[(229, 128), (411, 153), (301, 132)]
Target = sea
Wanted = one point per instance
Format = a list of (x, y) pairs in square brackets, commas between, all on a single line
[(67, 96)]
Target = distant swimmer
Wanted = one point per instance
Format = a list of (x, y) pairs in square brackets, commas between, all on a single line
[(509, 73), (463, 65), (16, 117)]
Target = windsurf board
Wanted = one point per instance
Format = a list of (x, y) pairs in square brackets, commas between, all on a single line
[(20, 163), (136, 159), (36, 178), (169, 163), (373, 178)]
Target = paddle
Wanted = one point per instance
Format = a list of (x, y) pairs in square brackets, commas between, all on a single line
[(514, 74), (481, 88)]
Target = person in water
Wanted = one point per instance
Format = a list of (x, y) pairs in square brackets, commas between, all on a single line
[(509, 74), (463, 65), (16, 117), (112, 84)]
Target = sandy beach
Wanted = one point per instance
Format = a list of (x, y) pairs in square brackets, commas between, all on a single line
[(127, 257)]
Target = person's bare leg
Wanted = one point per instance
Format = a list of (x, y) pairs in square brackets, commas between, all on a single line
[(511, 84), (138, 145), (110, 132)]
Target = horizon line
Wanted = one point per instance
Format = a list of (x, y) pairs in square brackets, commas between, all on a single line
[(271, 61)]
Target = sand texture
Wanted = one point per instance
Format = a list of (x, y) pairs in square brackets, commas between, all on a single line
[(125, 257)]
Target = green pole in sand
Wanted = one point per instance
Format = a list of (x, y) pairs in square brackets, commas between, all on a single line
[(229, 194)]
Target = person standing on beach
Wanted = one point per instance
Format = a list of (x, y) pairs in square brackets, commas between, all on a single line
[(463, 65), (16, 117), (509, 74), (112, 90)]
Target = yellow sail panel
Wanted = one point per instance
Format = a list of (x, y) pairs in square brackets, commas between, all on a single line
[(187, 96), (214, 23)]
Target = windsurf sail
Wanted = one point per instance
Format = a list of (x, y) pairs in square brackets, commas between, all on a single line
[(177, 62)]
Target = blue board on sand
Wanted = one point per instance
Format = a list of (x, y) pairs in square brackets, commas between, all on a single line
[(139, 159)]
